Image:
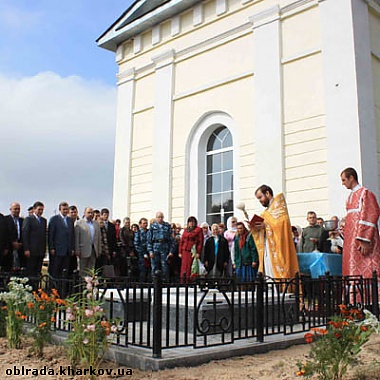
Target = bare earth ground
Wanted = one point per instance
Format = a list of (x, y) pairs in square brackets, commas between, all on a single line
[(275, 365)]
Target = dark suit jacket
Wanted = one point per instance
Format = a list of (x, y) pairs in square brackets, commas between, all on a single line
[(3, 235), (61, 238), (223, 253), (12, 230), (34, 235), (111, 237)]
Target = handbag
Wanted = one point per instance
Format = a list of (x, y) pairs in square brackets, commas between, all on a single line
[(109, 271), (202, 268)]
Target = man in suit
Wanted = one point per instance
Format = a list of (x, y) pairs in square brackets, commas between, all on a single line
[(87, 241), (14, 231), (73, 266), (4, 249), (111, 231), (34, 239), (61, 242)]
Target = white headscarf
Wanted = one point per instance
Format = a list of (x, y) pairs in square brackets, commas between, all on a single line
[(229, 224)]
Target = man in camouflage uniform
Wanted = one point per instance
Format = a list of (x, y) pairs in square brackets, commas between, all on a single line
[(140, 243), (159, 243)]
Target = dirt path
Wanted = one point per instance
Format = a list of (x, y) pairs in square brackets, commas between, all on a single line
[(275, 365)]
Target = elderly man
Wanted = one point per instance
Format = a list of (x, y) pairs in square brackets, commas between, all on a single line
[(159, 244), (361, 247), (87, 241), (14, 230)]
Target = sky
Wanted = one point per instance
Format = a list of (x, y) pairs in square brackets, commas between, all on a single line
[(57, 103)]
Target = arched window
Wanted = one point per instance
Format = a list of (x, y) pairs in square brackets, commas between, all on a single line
[(219, 173)]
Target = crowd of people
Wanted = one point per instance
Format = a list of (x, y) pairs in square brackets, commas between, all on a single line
[(268, 243), (319, 235)]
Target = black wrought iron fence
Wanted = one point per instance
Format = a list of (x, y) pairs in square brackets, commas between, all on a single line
[(209, 312)]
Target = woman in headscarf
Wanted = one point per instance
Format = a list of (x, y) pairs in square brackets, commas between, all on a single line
[(297, 237), (216, 253), (206, 234), (192, 236), (230, 237), (246, 256)]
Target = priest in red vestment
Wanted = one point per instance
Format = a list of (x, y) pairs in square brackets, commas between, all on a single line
[(361, 247)]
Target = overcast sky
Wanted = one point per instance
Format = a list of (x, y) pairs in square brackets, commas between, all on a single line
[(57, 103)]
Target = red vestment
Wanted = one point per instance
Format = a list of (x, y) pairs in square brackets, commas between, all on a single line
[(361, 224)]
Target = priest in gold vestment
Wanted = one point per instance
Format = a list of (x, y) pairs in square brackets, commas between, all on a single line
[(273, 236)]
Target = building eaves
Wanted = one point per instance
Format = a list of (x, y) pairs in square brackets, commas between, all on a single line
[(146, 8), (132, 23)]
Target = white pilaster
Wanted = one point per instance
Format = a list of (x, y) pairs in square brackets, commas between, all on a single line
[(123, 145), (162, 135), (269, 165), (349, 103)]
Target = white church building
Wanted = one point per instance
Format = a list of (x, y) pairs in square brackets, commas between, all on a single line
[(217, 97)]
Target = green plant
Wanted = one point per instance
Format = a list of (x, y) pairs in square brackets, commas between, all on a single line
[(3, 314), (42, 309), (16, 299), (88, 338), (337, 346)]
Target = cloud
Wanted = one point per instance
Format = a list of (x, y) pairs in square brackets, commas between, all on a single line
[(57, 141), (18, 20)]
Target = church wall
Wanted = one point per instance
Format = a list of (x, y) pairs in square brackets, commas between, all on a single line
[(141, 163), (144, 97), (218, 64), (188, 110), (305, 147), (191, 36), (214, 70), (374, 24)]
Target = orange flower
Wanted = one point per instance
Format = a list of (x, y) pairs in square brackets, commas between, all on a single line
[(59, 301), (18, 313), (363, 328), (4, 307), (336, 325), (106, 326), (337, 335), (42, 307), (55, 292), (300, 372), (309, 337), (23, 317), (36, 297), (44, 296), (319, 331), (41, 325), (30, 305), (52, 319)]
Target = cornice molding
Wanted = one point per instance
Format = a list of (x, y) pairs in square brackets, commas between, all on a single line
[(265, 17), (297, 6), (164, 59), (126, 76)]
